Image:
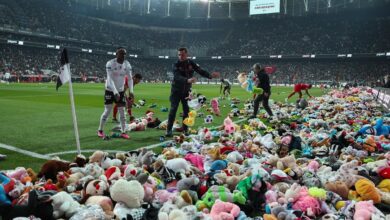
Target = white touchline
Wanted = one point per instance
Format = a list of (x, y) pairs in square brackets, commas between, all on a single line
[(25, 152)]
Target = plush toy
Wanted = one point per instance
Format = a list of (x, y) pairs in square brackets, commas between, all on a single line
[(187, 183), (310, 205), (31, 173), (61, 180), (384, 185), (130, 193), (50, 169), (219, 192), (338, 187), (108, 162), (224, 211), (196, 160), (230, 181), (367, 190), (169, 153), (190, 120), (6, 186), (112, 173), (229, 126), (179, 165), (215, 106), (64, 205), (97, 157), (121, 211), (90, 212), (145, 158), (364, 210), (94, 188), (378, 129), (104, 202), (175, 214)]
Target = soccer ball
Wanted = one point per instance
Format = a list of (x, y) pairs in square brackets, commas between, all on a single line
[(208, 119)]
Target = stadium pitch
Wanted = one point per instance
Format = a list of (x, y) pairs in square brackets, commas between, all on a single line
[(37, 118)]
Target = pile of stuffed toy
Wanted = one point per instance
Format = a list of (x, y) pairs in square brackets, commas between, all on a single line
[(325, 161)]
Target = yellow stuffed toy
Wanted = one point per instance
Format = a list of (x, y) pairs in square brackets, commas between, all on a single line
[(190, 120), (367, 191), (384, 185)]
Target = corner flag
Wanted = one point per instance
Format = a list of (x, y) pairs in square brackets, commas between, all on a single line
[(64, 75)]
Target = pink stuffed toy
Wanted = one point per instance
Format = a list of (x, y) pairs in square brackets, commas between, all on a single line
[(305, 203), (224, 211), (196, 160), (229, 127), (149, 188), (162, 196), (364, 210), (313, 166), (286, 140), (214, 105)]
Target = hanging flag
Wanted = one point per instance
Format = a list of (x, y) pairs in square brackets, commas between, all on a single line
[(64, 76)]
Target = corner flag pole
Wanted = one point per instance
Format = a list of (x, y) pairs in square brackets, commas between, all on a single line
[(76, 129), (66, 76)]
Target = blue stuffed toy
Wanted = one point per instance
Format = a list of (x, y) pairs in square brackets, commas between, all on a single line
[(6, 185), (377, 130), (217, 165)]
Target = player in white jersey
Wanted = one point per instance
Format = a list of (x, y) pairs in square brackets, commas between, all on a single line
[(117, 69), (7, 77)]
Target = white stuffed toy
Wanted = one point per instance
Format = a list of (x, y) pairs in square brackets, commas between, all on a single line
[(64, 205), (170, 211), (131, 193), (108, 162), (121, 211)]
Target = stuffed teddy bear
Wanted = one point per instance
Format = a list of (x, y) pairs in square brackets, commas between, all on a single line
[(130, 193), (50, 169), (230, 181), (338, 187), (64, 205), (224, 210), (97, 157)]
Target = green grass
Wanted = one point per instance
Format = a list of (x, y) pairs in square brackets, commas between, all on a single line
[(35, 117)]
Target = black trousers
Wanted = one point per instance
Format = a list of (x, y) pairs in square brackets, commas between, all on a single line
[(261, 98), (175, 99)]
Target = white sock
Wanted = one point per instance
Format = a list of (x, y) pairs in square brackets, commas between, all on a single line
[(103, 118), (122, 118)]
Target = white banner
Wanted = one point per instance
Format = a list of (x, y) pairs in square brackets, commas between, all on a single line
[(264, 7)]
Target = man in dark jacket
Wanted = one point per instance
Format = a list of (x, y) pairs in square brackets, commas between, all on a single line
[(183, 77), (262, 82)]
